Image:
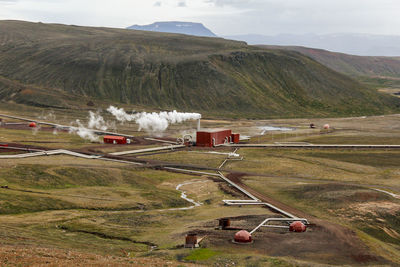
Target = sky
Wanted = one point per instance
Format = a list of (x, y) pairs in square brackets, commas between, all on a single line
[(223, 17)]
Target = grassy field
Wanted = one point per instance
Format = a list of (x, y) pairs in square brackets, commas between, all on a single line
[(121, 213), (105, 208)]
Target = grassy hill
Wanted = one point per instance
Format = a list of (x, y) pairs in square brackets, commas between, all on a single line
[(350, 64), (378, 72), (62, 66)]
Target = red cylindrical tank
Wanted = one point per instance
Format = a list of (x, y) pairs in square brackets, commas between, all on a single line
[(243, 237), (32, 124), (297, 226)]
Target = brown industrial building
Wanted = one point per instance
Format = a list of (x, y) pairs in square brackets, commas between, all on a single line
[(111, 139), (215, 137)]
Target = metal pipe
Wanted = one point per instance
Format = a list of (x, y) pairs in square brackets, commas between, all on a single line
[(98, 132), (159, 140), (147, 150), (305, 221), (237, 187), (190, 171), (314, 146)]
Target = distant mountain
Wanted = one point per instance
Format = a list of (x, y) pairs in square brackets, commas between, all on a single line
[(355, 44), (189, 28)]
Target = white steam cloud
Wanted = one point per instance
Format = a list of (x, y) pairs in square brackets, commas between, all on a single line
[(96, 121), (84, 132), (153, 122)]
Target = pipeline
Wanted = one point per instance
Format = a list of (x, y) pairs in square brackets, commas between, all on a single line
[(281, 145)]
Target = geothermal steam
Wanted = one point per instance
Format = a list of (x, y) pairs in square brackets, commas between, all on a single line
[(149, 122), (96, 121), (153, 122)]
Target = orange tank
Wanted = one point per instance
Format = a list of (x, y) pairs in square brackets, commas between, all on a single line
[(297, 226), (243, 237)]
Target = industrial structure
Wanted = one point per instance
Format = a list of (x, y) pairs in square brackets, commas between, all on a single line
[(191, 241), (243, 237), (112, 139), (216, 137)]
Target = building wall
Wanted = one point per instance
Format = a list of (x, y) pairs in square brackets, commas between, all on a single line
[(205, 139), (235, 138)]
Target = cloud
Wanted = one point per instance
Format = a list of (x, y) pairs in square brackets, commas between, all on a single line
[(224, 17), (7, 2), (222, 3)]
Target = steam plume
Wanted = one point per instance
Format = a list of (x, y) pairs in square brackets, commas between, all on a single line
[(153, 122), (83, 132), (96, 121)]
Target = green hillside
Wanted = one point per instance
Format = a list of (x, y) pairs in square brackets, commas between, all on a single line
[(350, 64), (377, 72), (61, 66)]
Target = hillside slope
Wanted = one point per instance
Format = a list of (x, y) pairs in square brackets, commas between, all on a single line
[(50, 65), (350, 64)]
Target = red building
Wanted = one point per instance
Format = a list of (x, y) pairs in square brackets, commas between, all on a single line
[(112, 139), (215, 137), (235, 138)]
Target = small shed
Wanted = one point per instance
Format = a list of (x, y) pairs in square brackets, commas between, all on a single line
[(213, 137), (191, 241), (235, 138), (112, 139)]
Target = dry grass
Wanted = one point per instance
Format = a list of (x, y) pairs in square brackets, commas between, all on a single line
[(102, 209)]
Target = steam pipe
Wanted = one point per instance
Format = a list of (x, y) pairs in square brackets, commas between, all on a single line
[(264, 223)]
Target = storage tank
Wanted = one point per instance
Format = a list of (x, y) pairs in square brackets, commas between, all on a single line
[(32, 125), (191, 240), (224, 223), (297, 226), (243, 237)]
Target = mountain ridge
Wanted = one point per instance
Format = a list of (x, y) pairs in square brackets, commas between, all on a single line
[(180, 27), (354, 44), (171, 71)]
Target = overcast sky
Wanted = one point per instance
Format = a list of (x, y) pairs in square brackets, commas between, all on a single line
[(223, 17)]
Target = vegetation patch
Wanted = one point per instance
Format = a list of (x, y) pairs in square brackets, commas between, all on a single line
[(201, 254), (11, 203), (333, 195), (375, 159), (384, 226)]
